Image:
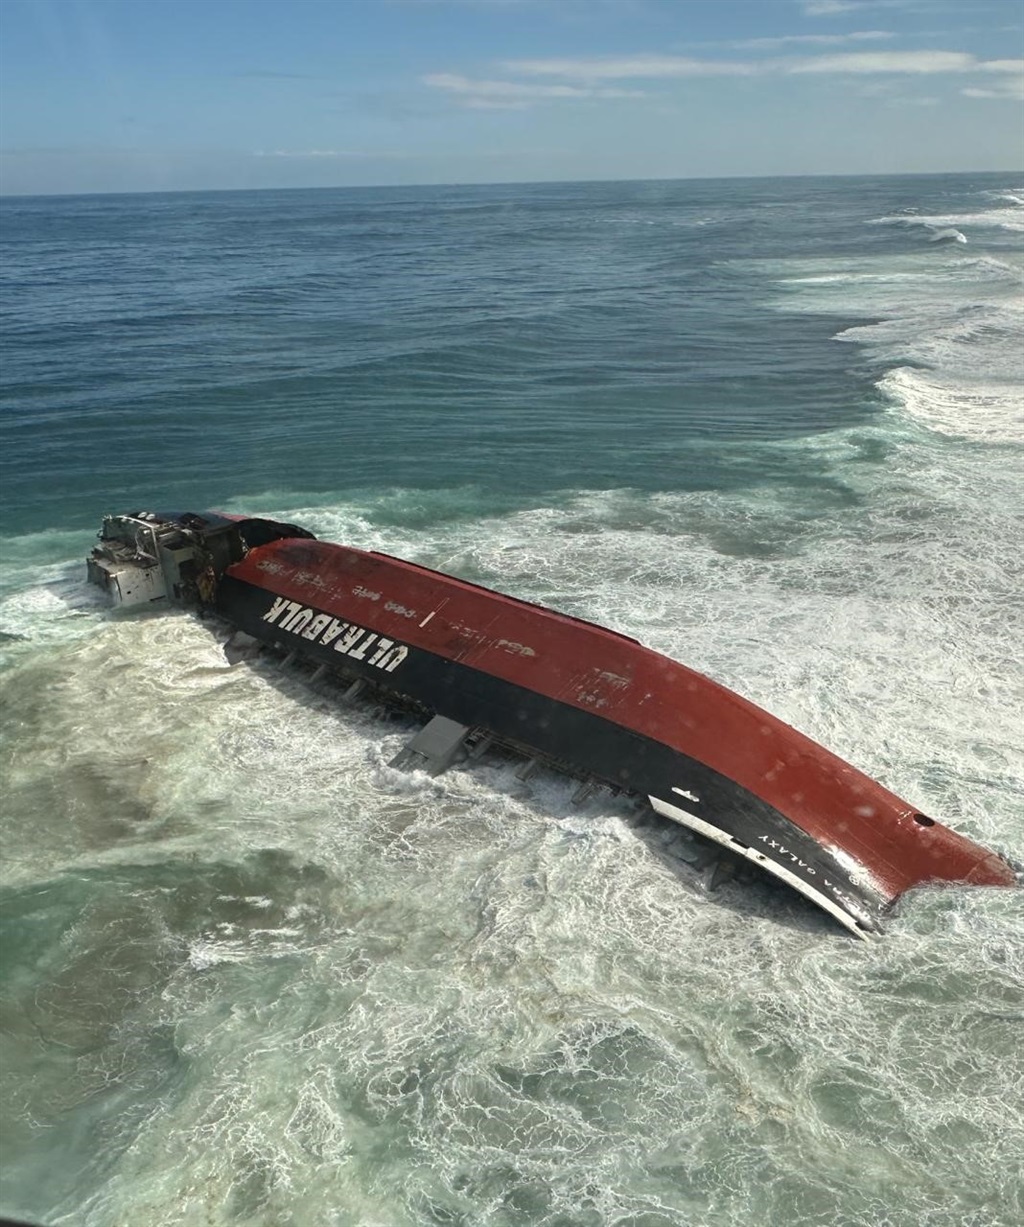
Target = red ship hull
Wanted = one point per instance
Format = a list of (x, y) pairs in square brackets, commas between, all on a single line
[(595, 703), (610, 710)]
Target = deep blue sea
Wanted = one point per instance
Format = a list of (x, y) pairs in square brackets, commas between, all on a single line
[(252, 974)]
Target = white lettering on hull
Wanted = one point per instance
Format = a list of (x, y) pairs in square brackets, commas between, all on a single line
[(839, 904), (347, 638)]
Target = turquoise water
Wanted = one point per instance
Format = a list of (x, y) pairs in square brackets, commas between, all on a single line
[(254, 975)]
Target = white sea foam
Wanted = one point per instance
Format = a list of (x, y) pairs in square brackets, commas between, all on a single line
[(1009, 219), (958, 317), (971, 410), (1012, 195), (948, 234)]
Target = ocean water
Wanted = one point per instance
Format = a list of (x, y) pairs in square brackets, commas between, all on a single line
[(253, 975)]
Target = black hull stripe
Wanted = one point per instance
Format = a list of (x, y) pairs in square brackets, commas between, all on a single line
[(589, 745)]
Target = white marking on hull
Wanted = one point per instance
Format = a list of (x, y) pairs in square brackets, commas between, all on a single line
[(346, 638), (752, 854)]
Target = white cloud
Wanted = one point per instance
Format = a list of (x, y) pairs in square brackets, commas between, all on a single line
[(835, 8), (855, 63), (829, 8), (810, 40), (501, 89), (305, 153), (325, 154), (634, 66), (904, 62), (493, 104), (583, 77), (514, 95), (1003, 89)]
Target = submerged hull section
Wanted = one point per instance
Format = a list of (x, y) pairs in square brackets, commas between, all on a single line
[(605, 708)]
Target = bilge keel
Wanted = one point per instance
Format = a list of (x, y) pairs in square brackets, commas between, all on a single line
[(487, 668)]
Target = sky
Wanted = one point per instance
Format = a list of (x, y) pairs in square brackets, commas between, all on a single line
[(159, 95)]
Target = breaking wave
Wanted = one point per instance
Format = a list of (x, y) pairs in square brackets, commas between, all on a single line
[(948, 235), (968, 411), (1009, 219)]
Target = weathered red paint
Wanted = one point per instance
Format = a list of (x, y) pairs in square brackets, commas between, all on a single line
[(610, 675)]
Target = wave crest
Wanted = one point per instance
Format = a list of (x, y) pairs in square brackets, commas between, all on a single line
[(986, 412)]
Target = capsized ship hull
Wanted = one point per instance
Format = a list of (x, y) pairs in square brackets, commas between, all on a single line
[(484, 666)]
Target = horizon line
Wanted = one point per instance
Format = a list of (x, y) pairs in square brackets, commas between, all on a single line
[(357, 187)]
